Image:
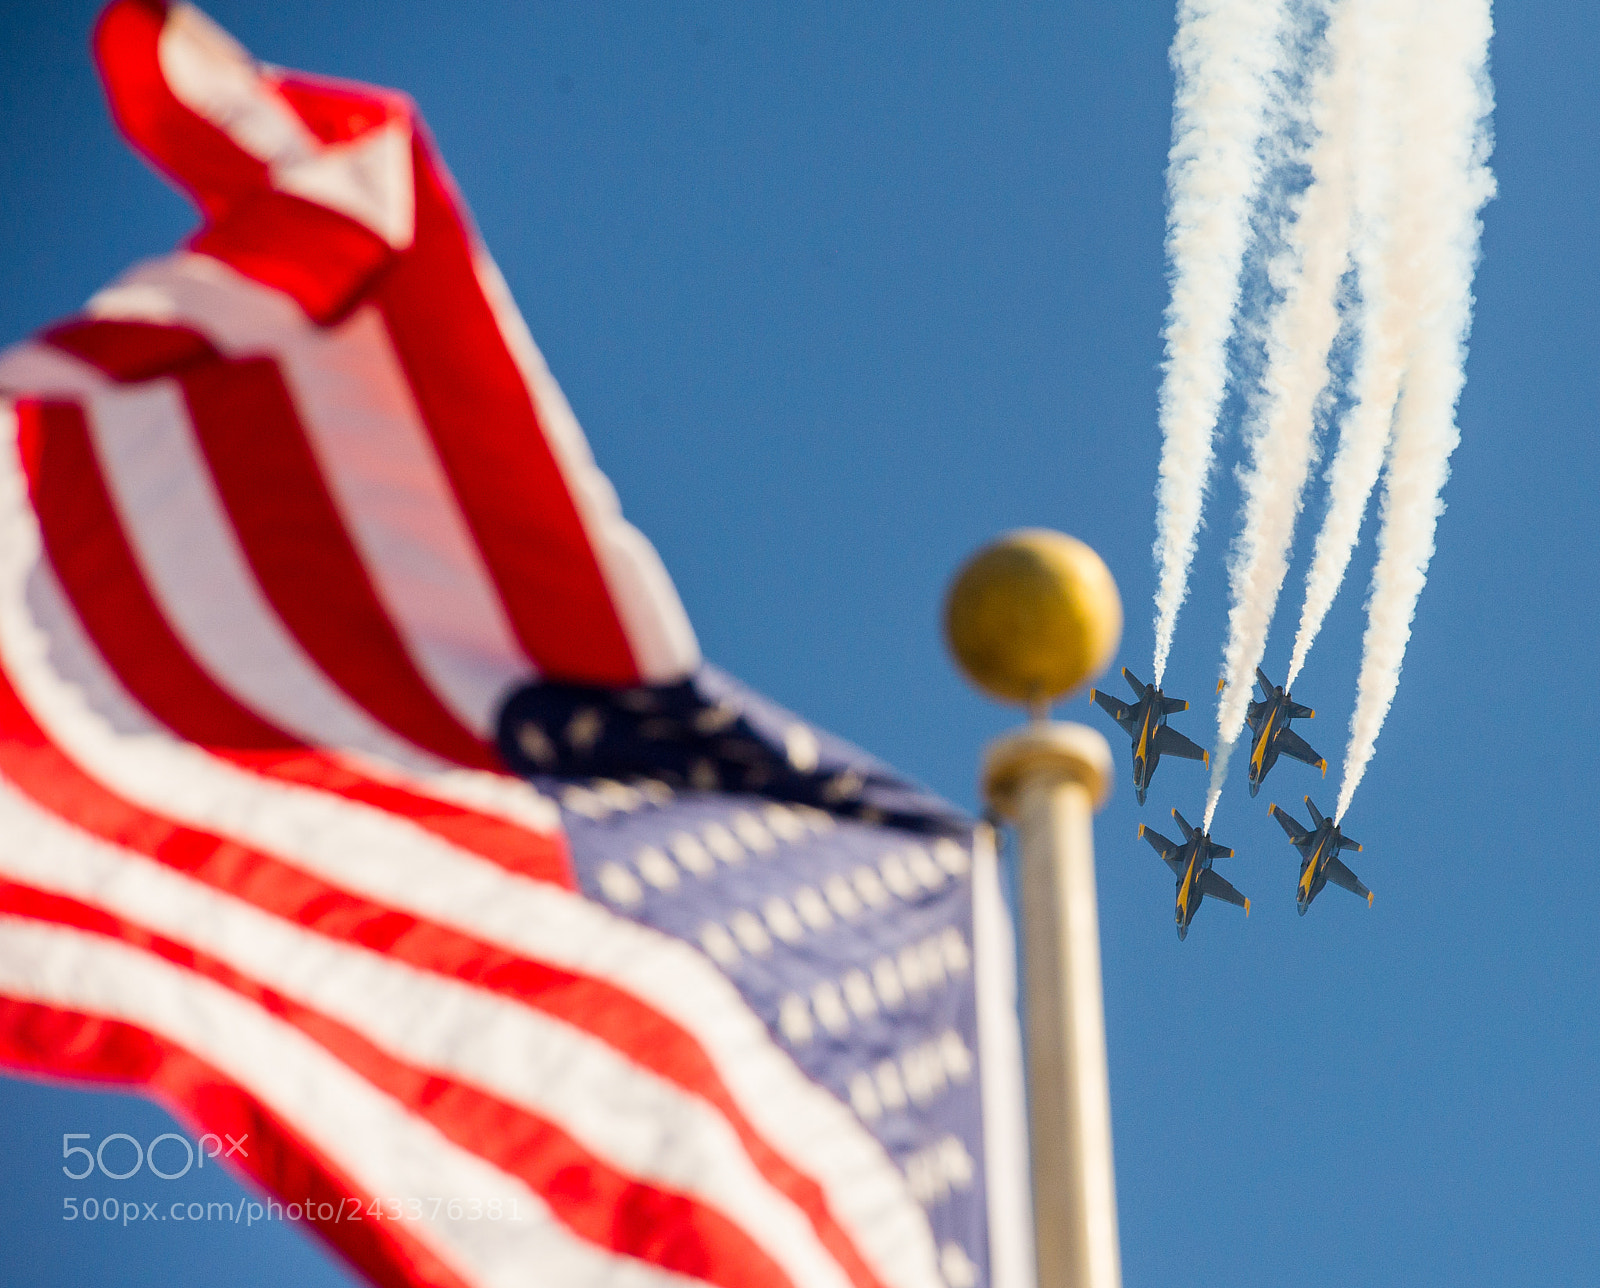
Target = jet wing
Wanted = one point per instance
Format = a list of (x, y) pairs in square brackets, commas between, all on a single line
[(1297, 834), (1216, 887), (1121, 712), (1342, 876), (1168, 850), (1292, 744), (1169, 742)]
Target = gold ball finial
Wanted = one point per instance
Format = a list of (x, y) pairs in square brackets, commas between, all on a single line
[(1033, 615)]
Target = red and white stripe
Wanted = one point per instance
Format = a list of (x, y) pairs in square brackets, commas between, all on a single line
[(282, 518), (369, 1140), (615, 1115), (79, 755), (375, 454), (449, 451)]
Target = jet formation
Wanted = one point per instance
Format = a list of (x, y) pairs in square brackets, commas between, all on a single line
[(1145, 723), (1191, 864)]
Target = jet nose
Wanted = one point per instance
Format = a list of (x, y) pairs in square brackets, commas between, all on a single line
[(1300, 907), (1254, 786), (1183, 931)]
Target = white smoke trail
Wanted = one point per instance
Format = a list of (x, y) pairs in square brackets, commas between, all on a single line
[(1282, 428), (1447, 180), (1383, 250), (1225, 55)]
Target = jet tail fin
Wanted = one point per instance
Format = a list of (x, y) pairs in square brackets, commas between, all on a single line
[(1188, 831), (1342, 876), (1266, 684), (1169, 742), (1214, 886), (1298, 712), (1173, 705), (1134, 682), (1318, 818)]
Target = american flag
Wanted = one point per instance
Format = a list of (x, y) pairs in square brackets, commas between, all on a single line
[(362, 788)]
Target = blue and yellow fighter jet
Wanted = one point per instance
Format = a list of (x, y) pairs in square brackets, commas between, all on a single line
[(1146, 723), (1191, 864), (1319, 856), (1271, 736)]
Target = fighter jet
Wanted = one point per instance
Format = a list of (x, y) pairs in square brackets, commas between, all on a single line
[(1319, 856), (1146, 723), (1271, 736), (1191, 864)]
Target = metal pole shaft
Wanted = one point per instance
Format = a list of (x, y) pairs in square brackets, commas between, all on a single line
[(1047, 779)]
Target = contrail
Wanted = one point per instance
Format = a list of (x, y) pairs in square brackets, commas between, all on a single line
[(1282, 427), (1384, 247), (1226, 55), (1446, 182)]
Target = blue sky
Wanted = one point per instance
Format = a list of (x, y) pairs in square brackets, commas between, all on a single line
[(838, 293)]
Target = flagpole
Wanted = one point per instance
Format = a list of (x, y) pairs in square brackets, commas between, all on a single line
[(1029, 618), (1047, 779)]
